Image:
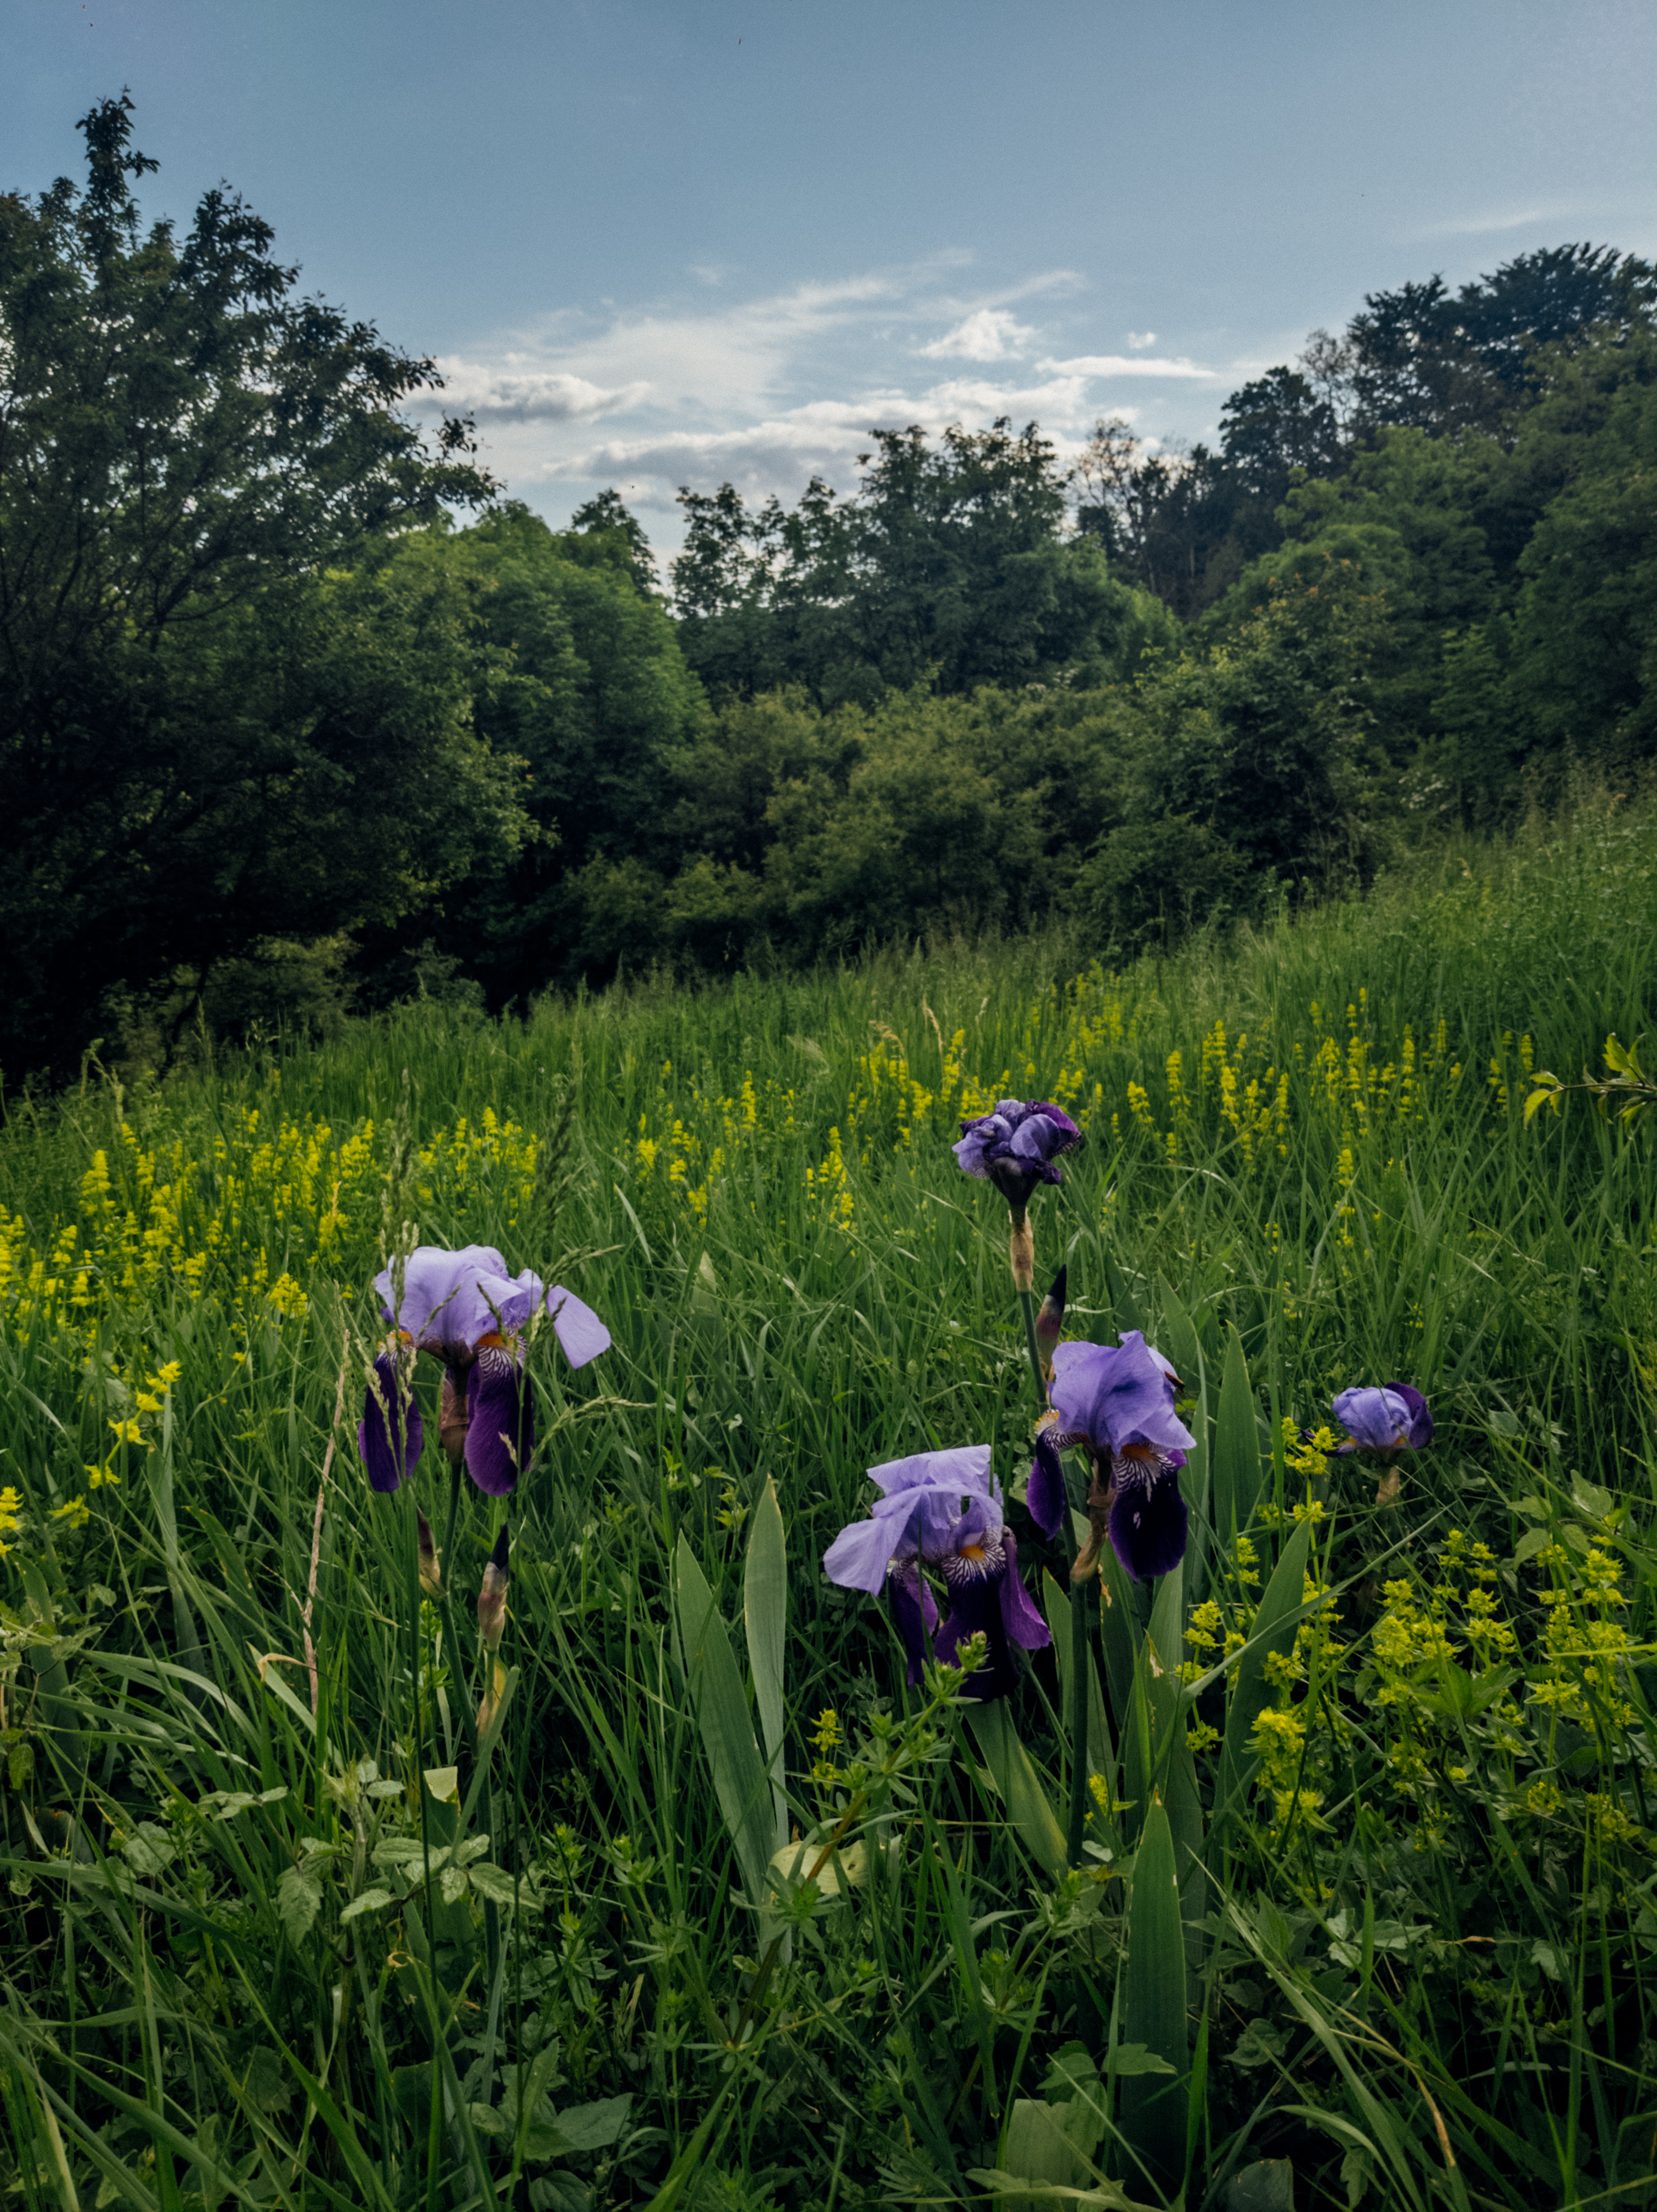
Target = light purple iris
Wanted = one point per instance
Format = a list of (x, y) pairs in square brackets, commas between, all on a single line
[(1110, 1395), (1017, 1146), (941, 1510), (454, 1301), (1117, 1401), (988, 1597), (922, 1499), (465, 1309), (1395, 1418)]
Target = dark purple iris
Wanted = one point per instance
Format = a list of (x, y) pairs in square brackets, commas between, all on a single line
[(987, 1597), (943, 1511), (1117, 1402), (1392, 1419), (1017, 1147), (1147, 1517)]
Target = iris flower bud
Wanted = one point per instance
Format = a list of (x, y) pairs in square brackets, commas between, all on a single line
[(431, 1577), (491, 1598), (1050, 1321)]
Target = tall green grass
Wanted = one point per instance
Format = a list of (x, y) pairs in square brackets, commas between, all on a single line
[(1421, 1970)]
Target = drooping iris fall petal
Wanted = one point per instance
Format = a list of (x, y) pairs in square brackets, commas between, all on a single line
[(914, 1614), (391, 1433), (988, 1598), (1044, 1493), (501, 1433), (1149, 1519)]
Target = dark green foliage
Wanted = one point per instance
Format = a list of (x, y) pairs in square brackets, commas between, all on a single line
[(207, 735), (946, 568)]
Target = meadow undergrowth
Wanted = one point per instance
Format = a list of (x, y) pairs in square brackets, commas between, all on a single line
[(276, 1932)]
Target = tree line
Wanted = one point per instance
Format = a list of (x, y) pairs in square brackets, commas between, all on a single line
[(300, 712)]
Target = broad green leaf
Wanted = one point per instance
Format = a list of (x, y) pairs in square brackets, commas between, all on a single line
[(1274, 1624), (1176, 1775), (1266, 2186), (1039, 2145), (1236, 1481), (370, 1900), (1017, 1780), (299, 1899), (740, 1783), (1154, 2008), (765, 1617), (1056, 1603), (593, 2126), (493, 1882)]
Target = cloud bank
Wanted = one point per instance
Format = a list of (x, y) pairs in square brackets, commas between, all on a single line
[(768, 391)]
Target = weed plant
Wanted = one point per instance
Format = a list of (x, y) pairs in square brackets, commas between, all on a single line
[(279, 1930)]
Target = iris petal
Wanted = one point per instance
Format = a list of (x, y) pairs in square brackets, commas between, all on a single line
[(1044, 1493), (501, 1434), (1148, 1524), (391, 1417), (914, 1615)]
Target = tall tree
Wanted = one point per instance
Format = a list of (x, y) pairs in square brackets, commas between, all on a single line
[(949, 566), (187, 448)]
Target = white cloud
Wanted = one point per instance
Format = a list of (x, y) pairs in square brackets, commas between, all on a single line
[(1122, 364), (826, 436), (1138, 340), (1494, 220), (539, 396), (768, 390), (987, 334)]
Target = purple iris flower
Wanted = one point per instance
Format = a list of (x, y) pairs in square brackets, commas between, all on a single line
[(465, 1309), (941, 1510), (922, 1499), (1395, 1418), (988, 1597), (1117, 1401), (1017, 1146)]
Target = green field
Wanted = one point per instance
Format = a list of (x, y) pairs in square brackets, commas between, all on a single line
[(1415, 1936)]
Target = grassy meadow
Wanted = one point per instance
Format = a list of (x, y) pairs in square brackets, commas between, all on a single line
[(278, 1929)]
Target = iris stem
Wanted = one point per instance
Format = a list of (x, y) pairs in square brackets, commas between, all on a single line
[(1080, 1656), (1081, 1660), (1027, 1300), (453, 1509)]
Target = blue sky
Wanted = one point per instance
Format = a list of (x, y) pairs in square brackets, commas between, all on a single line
[(659, 243)]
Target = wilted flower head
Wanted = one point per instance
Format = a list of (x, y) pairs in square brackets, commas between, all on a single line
[(1392, 1419), (1017, 1147), (465, 1309), (1117, 1401)]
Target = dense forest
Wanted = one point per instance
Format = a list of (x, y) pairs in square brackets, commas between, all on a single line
[(299, 712)]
